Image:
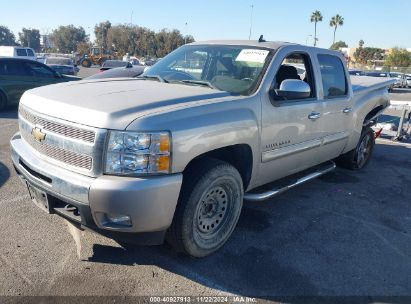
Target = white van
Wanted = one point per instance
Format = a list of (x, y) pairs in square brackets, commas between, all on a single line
[(18, 52)]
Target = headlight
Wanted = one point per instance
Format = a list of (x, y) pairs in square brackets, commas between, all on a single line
[(133, 153)]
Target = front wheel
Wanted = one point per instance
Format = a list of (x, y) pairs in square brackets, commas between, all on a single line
[(359, 157), (208, 209)]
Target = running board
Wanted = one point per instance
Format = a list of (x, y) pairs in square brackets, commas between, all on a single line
[(262, 193)]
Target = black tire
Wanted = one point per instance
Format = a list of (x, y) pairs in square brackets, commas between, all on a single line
[(86, 63), (359, 157), (208, 209), (3, 101)]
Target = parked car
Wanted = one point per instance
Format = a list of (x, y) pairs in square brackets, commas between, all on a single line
[(19, 75), (356, 72), (400, 79), (18, 52), (110, 64), (408, 77), (128, 71), (173, 154), (149, 62), (384, 75), (62, 65)]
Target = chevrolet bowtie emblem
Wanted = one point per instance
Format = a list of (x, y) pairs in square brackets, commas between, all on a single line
[(37, 134)]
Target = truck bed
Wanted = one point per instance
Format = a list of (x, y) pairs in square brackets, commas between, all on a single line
[(364, 84)]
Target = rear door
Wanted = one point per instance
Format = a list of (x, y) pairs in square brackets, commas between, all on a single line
[(337, 108), (14, 80)]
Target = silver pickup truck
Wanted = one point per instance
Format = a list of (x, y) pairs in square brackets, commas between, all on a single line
[(173, 154)]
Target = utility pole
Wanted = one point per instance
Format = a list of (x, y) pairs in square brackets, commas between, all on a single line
[(185, 35), (131, 18), (251, 22)]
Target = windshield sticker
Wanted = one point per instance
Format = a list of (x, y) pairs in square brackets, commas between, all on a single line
[(252, 55)]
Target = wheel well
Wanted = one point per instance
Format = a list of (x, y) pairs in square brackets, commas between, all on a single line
[(371, 115), (239, 156)]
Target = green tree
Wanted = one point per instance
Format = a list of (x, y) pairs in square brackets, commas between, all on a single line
[(30, 38), (337, 45), (83, 47), (364, 55), (6, 36), (316, 17), (66, 38), (101, 32), (398, 57), (122, 39), (141, 41), (361, 43), (335, 22)]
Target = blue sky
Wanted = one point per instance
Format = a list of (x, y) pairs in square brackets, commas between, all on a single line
[(380, 23)]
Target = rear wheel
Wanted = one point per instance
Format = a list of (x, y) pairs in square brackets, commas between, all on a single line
[(86, 63), (359, 157), (3, 101), (208, 209)]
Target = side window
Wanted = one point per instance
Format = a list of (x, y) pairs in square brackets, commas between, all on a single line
[(38, 70), (14, 68), (21, 52), (30, 53), (333, 76), (296, 66)]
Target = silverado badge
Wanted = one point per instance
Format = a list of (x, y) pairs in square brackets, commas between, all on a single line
[(37, 134)]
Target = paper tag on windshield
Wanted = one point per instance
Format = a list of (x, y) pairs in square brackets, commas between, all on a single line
[(252, 55)]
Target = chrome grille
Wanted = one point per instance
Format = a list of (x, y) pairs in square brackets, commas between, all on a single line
[(65, 156), (67, 131)]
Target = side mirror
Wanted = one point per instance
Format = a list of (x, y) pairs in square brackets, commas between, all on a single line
[(58, 75), (293, 89)]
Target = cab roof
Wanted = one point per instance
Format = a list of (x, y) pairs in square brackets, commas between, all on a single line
[(274, 45)]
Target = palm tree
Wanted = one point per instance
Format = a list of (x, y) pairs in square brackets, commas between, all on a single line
[(336, 21), (316, 17)]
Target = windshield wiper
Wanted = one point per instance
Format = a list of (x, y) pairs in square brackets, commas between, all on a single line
[(200, 82), (155, 77)]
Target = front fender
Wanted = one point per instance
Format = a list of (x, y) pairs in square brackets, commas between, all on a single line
[(201, 129)]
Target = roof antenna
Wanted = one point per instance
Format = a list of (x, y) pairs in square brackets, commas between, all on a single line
[(261, 39)]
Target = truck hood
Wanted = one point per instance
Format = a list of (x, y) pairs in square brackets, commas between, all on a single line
[(115, 103)]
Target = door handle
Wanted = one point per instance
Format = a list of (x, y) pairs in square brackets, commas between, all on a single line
[(347, 110), (314, 116)]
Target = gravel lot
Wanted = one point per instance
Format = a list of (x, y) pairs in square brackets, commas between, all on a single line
[(347, 233)]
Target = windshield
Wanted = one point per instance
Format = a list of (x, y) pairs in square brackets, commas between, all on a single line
[(235, 69), (59, 61)]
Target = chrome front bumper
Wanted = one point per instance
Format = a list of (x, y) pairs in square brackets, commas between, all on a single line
[(149, 202)]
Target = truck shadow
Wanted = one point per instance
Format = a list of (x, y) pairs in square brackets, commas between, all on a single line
[(343, 234), (4, 174), (9, 113)]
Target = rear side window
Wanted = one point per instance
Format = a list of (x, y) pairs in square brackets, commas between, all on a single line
[(21, 52), (30, 52), (333, 76), (37, 70)]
